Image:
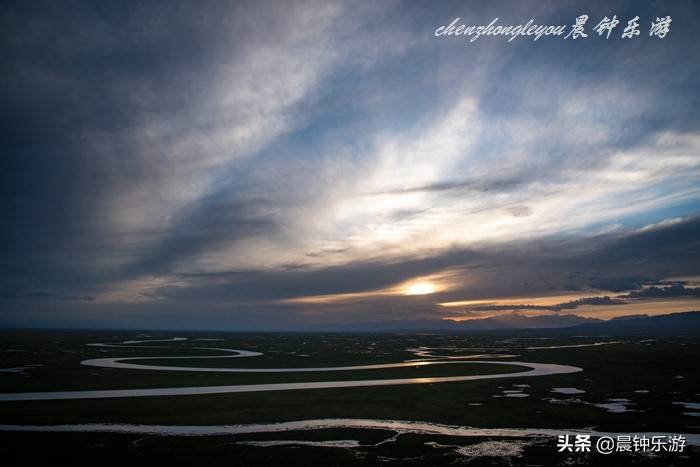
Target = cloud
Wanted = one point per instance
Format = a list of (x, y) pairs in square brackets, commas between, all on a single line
[(19, 294), (570, 305), (234, 156), (620, 284), (671, 291), (471, 274), (663, 223)]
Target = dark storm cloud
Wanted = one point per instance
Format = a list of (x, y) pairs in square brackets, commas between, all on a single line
[(205, 227), (78, 75), (107, 114)]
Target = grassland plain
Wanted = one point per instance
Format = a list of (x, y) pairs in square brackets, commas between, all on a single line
[(652, 374)]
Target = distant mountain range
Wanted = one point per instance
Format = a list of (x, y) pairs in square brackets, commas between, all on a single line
[(687, 322), (677, 321)]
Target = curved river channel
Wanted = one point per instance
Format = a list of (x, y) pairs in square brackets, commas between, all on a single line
[(535, 369)]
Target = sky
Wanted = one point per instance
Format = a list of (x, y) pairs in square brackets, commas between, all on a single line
[(291, 165)]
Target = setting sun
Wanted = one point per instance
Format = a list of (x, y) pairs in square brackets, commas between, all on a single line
[(420, 288)]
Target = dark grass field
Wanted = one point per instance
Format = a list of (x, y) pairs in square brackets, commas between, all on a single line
[(663, 366)]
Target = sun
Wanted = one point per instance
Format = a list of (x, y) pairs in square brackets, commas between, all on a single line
[(419, 288)]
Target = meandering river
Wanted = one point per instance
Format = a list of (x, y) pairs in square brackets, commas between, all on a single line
[(535, 369)]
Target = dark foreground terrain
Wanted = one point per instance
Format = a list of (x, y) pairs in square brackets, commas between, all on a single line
[(631, 383)]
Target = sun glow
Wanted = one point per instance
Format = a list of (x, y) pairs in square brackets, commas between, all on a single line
[(424, 285), (419, 288)]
